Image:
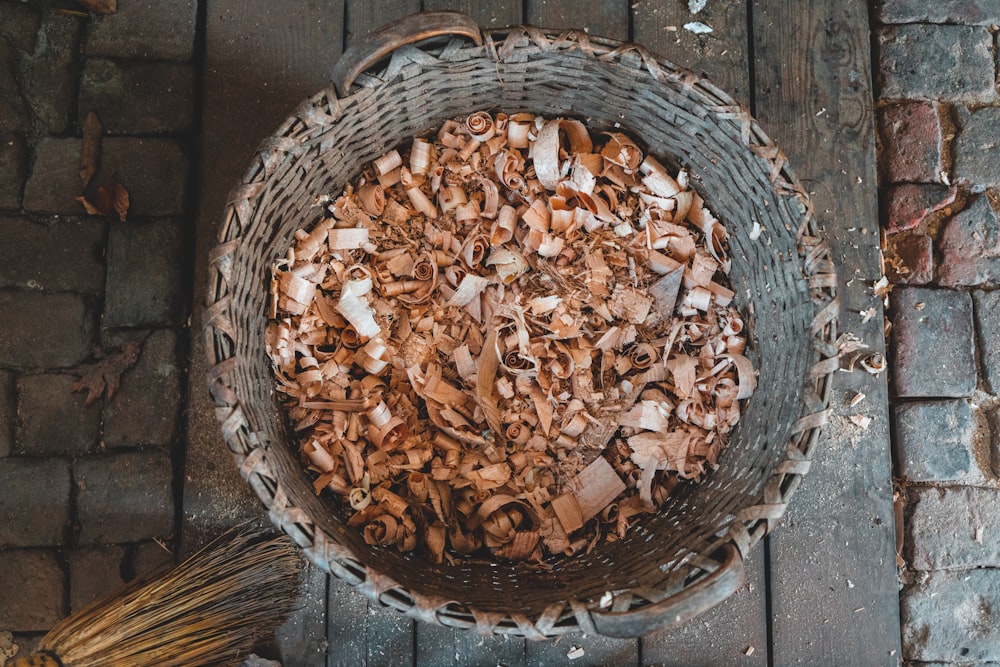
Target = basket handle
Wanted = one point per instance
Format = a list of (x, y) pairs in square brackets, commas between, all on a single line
[(683, 606), (388, 38)]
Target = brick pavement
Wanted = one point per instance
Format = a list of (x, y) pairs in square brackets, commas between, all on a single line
[(939, 129), (90, 492)]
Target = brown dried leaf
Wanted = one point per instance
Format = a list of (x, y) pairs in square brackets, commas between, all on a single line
[(119, 200), (88, 207), (112, 199), (90, 148), (104, 376)]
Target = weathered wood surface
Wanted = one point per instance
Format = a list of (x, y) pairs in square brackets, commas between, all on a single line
[(833, 574), (810, 87), (260, 61)]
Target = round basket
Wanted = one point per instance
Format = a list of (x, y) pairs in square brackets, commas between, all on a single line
[(670, 566)]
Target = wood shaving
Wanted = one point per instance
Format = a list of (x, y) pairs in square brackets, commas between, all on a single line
[(861, 421), (698, 28), (508, 339)]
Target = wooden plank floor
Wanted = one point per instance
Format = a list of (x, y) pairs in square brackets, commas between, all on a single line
[(822, 589)]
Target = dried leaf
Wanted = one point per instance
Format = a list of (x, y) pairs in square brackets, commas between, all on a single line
[(120, 200), (90, 148), (112, 199), (88, 207), (104, 376)]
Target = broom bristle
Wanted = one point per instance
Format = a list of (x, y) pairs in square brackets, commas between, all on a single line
[(210, 609)]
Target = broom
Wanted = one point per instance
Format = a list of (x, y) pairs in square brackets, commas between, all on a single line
[(209, 610)]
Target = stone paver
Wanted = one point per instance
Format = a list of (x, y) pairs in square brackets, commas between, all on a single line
[(145, 276), (911, 143), (953, 527), (44, 330), (933, 354), (935, 442), (965, 12), (951, 617), (14, 113), (910, 259), (146, 29), (7, 412), (32, 590), (124, 497), (85, 490), (94, 573), (970, 245), (977, 146), (987, 306), (54, 181), (943, 62), (35, 503), (909, 205), (19, 24), (61, 255), (48, 75), (154, 171), (145, 409), (138, 97), (54, 420), (149, 557), (13, 167), (938, 66)]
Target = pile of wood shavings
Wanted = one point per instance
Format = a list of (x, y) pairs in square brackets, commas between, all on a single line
[(510, 338)]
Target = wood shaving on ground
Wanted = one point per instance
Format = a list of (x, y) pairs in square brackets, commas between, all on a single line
[(508, 339), (698, 28)]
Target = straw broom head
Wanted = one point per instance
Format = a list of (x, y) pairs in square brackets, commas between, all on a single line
[(210, 609)]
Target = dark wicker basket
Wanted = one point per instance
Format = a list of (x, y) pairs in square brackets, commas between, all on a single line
[(670, 566)]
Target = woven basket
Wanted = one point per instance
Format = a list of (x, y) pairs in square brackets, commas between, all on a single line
[(670, 566)]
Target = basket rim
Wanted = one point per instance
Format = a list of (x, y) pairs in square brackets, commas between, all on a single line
[(249, 450)]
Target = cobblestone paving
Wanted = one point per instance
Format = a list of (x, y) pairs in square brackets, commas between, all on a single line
[(939, 131), (89, 494)]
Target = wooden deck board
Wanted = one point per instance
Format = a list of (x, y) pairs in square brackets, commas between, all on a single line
[(720, 55), (499, 14), (598, 17), (812, 91), (833, 574)]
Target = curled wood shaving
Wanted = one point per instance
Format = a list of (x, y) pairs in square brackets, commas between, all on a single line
[(511, 336)]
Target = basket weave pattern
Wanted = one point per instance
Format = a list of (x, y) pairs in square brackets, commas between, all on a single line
[(784, 280)]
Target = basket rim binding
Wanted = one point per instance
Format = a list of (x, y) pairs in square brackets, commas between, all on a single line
[(750, 523)]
